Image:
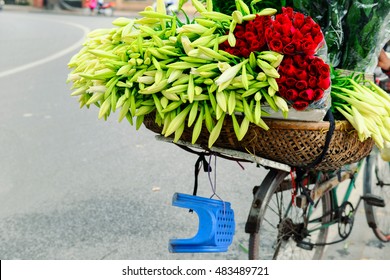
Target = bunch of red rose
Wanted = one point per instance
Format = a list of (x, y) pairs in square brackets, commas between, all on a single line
[(292, 32), (303, 76), (303, 79), (250, 37)]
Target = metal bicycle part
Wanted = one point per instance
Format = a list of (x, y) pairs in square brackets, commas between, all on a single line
[(377, 182), (280, 230), (346, 213)]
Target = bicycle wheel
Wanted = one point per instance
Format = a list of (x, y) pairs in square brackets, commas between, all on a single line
[(377, 182), (282, 233)]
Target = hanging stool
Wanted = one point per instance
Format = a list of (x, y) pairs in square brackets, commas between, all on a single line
[(216, 225)]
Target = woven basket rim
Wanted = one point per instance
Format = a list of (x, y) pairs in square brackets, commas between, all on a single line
[(305, 125), (344, 148)]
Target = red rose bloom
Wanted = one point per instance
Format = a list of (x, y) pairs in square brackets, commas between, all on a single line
[(285, 40), (300, 105), (283, 19), (288, 69), (281, 81), (323, 83), (276, 45), (324, 69), (239, 28), (288, 11), (245, 52), (250, 27), (294, 27), (301, 74), (290, 82), (289, 49), (288, 60), (306, 28), (249, 37), (318, 94), (240, 44), (299, 20), (317, 61), (269, 34), (235, 51), (255, 45), (282, 90), (308, 46), (301, 85), (312, 69), (318, 39), (307, 94), (239, 34), (297, 35), (298, 46), (291, 94), (312, 81)]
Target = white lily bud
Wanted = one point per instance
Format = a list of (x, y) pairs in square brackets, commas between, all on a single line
[(223, 66), (95, 89), (229, 74), (161, 7), (282, 104), (267, 12), (148, 80), (192, 28), (237, 17), (232, 39), (185, 41)]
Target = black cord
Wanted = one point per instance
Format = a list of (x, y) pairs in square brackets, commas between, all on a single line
[(301, 172), (206, 168), (329, 116), (202, 160)]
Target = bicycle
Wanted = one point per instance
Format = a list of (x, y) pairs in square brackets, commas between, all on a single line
[(281, 229)]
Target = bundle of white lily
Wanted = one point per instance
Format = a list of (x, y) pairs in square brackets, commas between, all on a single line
[(156, 63)]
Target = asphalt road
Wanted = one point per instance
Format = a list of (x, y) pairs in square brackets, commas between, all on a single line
[(75, 187)]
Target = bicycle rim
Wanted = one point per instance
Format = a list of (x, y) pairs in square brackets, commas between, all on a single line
[(376, 181), (274, 239)]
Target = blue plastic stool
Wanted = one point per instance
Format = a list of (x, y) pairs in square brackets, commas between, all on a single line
[(216, 225)]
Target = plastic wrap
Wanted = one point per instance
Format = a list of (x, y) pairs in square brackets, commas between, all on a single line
[(367, 29), (332, 27)]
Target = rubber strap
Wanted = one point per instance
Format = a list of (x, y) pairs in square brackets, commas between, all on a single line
[(206, 168), (302, 171), (329, 134)]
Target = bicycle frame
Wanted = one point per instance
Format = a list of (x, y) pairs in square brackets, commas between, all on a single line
[(332, 185), (320, 188)]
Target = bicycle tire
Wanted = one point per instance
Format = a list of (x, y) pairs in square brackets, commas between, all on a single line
[(377, 171), (262, 243)]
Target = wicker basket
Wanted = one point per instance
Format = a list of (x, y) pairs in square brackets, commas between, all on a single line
[(294, 143)]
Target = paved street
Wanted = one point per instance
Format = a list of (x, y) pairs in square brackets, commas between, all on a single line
[(75, 187)]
